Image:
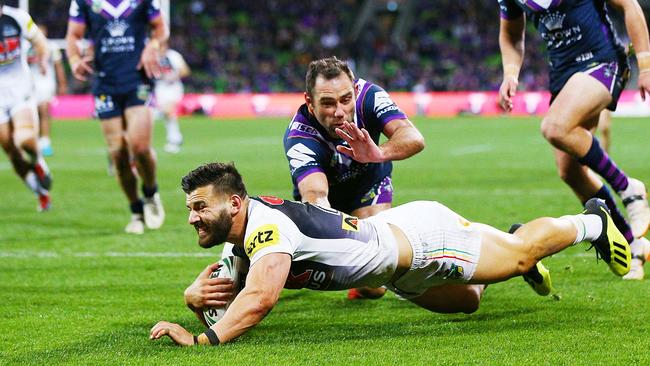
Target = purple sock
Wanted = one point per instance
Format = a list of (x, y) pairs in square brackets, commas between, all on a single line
[(598, 160), (617, 217)]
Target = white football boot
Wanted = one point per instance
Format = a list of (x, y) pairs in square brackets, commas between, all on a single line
[(640, 251), (136, 225), (154, 213), (635, 199)]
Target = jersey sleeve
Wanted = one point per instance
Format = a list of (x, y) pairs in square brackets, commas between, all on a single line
[(77, 11), (26, 23), (305, 154), (509, 10), (266, 238), (378, 107), (154, 9)]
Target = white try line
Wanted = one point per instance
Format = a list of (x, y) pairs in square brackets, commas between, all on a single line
[(471, 149), (48, 254)]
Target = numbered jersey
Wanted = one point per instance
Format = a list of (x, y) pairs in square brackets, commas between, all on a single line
[(16, 27), (118, 29), (329, 249), (309, 148), (575, 31)]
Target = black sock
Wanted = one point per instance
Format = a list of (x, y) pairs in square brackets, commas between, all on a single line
[(137, 207), (149, 192)]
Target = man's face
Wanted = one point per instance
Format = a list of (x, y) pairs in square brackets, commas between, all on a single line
[(333, 102), (210, 215)]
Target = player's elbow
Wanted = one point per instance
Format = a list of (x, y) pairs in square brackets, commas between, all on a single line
[(264, 303), (418, 143)]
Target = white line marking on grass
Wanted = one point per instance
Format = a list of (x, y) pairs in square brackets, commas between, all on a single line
[(472, 149), (5, 166), (45, 254)]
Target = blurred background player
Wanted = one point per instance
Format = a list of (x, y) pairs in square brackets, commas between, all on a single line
[(18, 116), (125, 65), (169, 92), (589, 69), (46, 86)]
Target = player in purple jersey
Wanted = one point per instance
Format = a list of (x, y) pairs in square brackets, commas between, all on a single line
[(412, 248), (322, 171), (588, 71), (127, 36)]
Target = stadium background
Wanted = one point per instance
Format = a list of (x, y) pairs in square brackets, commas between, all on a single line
[(76, 290)]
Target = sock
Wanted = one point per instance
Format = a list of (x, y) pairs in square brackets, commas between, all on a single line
[(617, 216), (137, 207), (149, 192), (174, 135), (589, 227), (32, 183), (598, 160), (637, 247)]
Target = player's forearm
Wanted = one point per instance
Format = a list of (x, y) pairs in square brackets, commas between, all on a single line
[(404, 143), (316, 198), (635, 24), (72, 47), (60, 76), (511, 44), (248, 310), (39, 42)]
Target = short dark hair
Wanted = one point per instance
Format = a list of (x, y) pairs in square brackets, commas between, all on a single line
[(330, 68), (223, 177)]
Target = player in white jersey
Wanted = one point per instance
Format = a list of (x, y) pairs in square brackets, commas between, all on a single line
[(410, 249), (18, 118), (47, 86), (169, 92)]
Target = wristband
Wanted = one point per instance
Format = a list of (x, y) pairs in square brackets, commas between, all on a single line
[(155, 43), (643, 59), (196, 340), (212, 337), (511, 70), (74, 59)]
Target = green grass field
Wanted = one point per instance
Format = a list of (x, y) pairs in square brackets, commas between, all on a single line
[(76, 290)]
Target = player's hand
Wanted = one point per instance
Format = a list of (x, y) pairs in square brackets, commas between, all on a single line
[(209, 292), (81, 68), (507, 91), (174, 331), (150, 60), (644, 85), (42, 66), (362, 148)]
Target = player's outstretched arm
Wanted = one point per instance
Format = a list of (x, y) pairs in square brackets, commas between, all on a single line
[(638, 31), (39, 42), (265, 281), (511, 43), (404, 140)]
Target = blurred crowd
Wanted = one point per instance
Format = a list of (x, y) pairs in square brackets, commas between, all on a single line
[(250, 46)]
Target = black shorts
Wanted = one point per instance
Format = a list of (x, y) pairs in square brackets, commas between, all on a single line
[(114, 105), (612, 74)]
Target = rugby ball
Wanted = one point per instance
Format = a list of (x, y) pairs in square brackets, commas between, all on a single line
[(231, 267)]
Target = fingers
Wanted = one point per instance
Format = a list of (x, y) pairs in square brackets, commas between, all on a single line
[(160, 329), (345, 150), (344, 135), (209, 269)]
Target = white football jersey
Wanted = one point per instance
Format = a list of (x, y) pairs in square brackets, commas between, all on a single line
[(330, 250), (17, 27)]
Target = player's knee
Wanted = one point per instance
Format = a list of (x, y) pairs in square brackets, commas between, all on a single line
[(472, 301), (140, 149), (24, 138), (553, 131)]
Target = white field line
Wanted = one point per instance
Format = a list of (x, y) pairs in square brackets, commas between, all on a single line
[(471, 149), (50, 254)]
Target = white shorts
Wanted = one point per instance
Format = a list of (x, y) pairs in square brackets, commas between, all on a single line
[(15, 99), (168, 93), (446, 247), (45, 90)]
